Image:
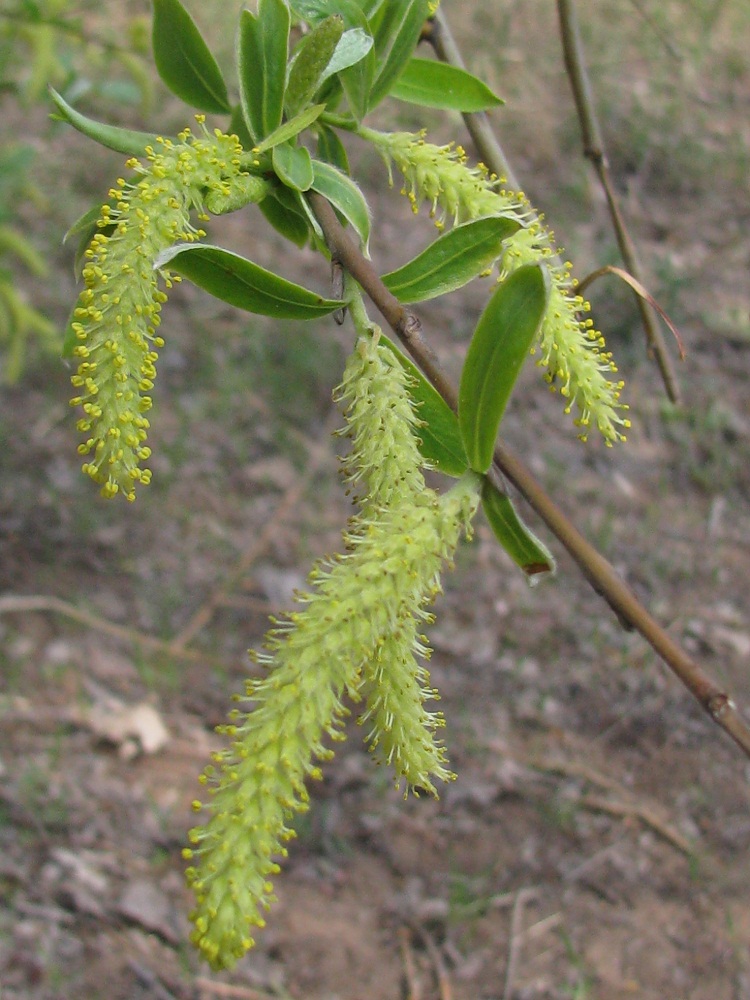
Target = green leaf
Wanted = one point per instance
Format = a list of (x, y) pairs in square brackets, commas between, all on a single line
[(331, 149), (357, 84), (243, 284), (440, 439), (357, 79), (293, 166), (291, 128), (397, 29), (238, 127), (262, 45), (85, 227), (353, 46), (183, 59), (452, 260), (315, 11), (344, 195), (122, 140), (433, 84), (498, 349), (284, 215), (310, 61), (518, 540)]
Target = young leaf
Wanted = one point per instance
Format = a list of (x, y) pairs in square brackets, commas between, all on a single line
[(84, 228), (397, 29), (242, 283), (353, 46), (440, 439), (518, 540), (357, 84), (433, 84), (284, 215), (357, 79), (183, 59), (344, 195), (293, 166), (331, 149), (310, 61), (262, 44), (315, 11), (498, 348), (454, 259), (291, 128), (122, 140)]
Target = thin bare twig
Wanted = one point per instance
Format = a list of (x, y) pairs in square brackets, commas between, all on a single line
[(600, 574), (229, 990), (441, 972), (490, 151), (593, 150), (625, 805)]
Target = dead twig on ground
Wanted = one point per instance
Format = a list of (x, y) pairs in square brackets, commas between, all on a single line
[(212, 988), (438, 963), (26, 603), (625, 805)]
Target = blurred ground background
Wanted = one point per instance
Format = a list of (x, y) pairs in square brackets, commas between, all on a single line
[(596, 842)]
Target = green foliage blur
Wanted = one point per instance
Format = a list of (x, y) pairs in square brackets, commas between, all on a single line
[(43, 43)]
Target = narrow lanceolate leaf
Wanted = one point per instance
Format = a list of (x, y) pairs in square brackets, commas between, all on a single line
[(397, 25), (518, 540), (84, 229), (184, 61), (242, 283), (285, 216), (291, 128), (454, 259), (344, 195), (500, 345), (262, 45), (293, 166), (310, 61), (122, 140), (434, 84), (440, 441), (353, 46), (331, 149)]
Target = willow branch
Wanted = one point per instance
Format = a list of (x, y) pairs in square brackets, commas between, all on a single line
[(600, 574), (593, 150), (441, 39)]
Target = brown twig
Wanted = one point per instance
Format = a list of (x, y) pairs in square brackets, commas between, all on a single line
[(593, 150), (623, 806), (639, 811), (600, 574), (441, 973), (491, 153), (228, 990)]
